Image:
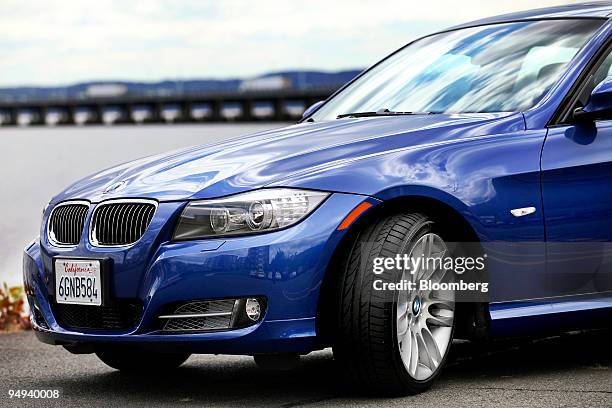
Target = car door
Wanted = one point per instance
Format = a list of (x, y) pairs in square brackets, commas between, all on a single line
[(576, 180)]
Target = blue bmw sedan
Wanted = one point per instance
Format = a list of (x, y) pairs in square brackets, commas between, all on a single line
[(489, 142)]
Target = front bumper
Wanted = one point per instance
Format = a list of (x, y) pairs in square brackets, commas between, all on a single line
[(286, 267)]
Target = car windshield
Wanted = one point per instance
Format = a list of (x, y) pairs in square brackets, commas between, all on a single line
[(505, 67)]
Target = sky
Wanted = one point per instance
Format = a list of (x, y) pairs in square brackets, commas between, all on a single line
[(60, 42)]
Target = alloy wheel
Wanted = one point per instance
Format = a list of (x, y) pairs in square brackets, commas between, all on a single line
[(425, 317)]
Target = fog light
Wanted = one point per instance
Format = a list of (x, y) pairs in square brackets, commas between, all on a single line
[(253, 309)]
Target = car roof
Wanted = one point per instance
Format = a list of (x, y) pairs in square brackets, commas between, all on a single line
[(599, 9)]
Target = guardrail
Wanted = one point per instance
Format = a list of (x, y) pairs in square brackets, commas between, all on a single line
[(285, 105)]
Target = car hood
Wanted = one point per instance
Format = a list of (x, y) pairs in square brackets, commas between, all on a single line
[(254, 161)]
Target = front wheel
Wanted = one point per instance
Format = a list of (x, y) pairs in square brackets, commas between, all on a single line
[(394, 342), (141, 361)]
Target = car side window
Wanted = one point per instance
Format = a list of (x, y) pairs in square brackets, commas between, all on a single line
[(603, 71)]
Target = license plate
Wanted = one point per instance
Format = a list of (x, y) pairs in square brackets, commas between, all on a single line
[(78, 282)]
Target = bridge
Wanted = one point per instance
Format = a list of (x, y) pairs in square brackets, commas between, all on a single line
[(277, 105)]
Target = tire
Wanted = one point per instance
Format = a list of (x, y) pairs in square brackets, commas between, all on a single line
[(141, 361), (368, 343)]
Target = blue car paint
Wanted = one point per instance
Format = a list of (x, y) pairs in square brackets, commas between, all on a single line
[(260, 160), (480, 165), (160, 271)]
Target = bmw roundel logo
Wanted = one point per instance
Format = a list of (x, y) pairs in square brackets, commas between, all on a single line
[(114, 187), (416, 306)]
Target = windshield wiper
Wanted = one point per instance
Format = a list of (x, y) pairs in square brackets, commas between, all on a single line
[(380, 112)]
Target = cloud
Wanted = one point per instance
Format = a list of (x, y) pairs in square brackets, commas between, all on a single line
[(59, 42)]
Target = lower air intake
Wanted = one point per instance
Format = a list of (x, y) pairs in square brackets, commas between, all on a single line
[(200, 316), (121, 315)]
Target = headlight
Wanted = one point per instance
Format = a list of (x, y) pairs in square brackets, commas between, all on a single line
[(246, 213)]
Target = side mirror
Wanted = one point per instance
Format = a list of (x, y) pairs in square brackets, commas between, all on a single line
[(599, 105), (311, 109)]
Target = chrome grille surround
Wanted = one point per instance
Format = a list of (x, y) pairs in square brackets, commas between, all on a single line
[(66, 222), (120, 222)]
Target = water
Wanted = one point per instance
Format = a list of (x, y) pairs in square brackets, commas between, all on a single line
[(39, 162)]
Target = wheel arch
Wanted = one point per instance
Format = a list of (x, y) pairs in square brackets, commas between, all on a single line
[(474, 318)]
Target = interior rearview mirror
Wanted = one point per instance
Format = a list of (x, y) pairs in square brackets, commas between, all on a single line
[(599, 105)]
